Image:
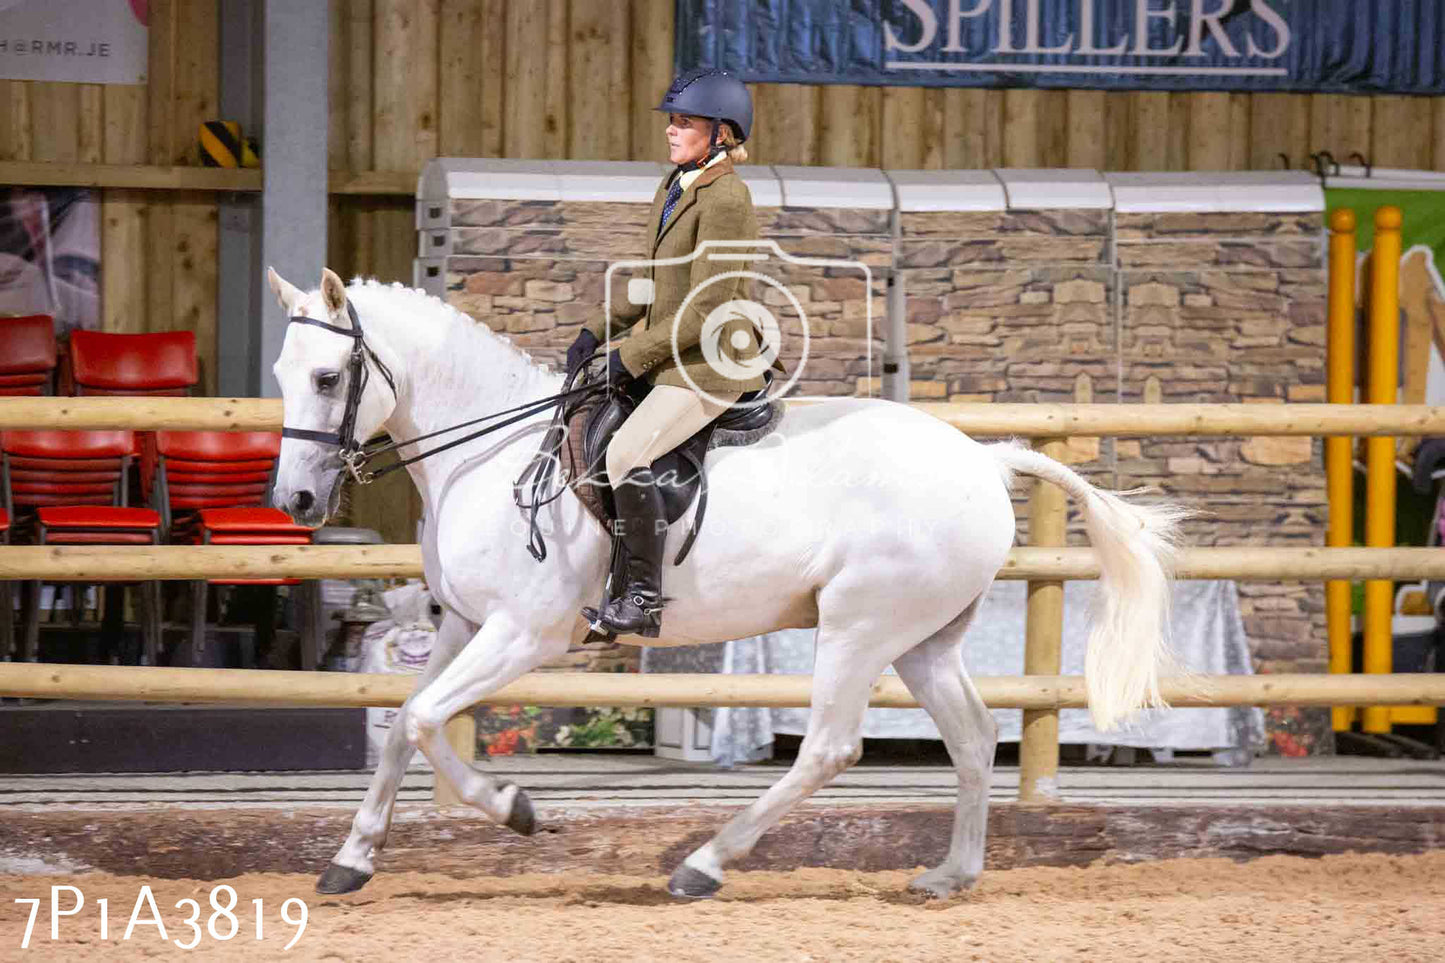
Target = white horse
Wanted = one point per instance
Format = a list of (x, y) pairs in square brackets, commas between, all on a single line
[(873, 522)]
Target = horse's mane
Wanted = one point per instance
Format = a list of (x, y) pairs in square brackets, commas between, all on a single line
[(425, 306)]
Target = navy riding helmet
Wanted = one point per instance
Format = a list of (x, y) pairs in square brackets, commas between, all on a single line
[(712, 93)]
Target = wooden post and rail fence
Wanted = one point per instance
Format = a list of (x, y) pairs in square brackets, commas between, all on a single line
[(1046, 564)]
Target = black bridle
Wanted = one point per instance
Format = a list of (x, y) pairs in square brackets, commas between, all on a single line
[(353, 453), (356, 455)]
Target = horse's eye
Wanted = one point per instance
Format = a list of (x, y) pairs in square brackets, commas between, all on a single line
[(327, 380)]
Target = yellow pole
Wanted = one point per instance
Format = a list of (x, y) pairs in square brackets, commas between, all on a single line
[(1043, 640), (1339, 470), (1380, 452)]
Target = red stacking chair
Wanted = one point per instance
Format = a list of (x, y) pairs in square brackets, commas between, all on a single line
[(158, 364), (212, 488), (71, 487), (162, 363), (27, 355)]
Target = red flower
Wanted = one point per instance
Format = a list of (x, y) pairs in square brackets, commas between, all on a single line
[(1288, 745), (504, 743)]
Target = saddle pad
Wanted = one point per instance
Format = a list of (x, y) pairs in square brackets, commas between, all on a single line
[(591, 424)]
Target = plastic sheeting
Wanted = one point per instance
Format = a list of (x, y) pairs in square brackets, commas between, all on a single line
[(1207, 633)]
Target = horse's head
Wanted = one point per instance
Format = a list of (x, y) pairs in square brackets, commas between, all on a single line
[(316, 372)]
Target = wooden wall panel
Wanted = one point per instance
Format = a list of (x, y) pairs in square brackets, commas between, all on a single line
[(337, 61), (598, 55), (14, 120), (1438, 136), (195, 236), (123, 214), (56, 107), (849, 125), (1084, 142), (579, 79), (1207, 124), (1401, 131), (360, 85), (462, 79), (556, 56), (651, 30)]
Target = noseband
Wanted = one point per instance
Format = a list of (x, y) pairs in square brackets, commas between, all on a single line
[(353, 453)]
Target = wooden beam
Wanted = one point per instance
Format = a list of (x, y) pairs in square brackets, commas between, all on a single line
[(109, 563), (139, 176), (147, 414), (384, 183), (984, 420), (1211, 420), (564, 689), (1243, 563)]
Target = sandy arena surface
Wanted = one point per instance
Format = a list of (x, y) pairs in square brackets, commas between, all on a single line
[(1352, 907)]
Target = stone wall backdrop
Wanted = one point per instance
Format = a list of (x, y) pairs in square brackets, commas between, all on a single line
[(840, 303), (1231, 308), (1013, 306)]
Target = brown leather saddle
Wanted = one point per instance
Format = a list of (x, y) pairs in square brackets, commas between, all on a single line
[(592, 421)]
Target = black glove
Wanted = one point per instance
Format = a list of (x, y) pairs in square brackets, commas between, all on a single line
[(581, 349), (616, 370)]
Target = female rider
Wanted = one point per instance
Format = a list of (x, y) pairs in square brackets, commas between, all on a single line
[(709, 116)]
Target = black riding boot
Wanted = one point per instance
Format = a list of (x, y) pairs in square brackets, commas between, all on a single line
[(636, 608)]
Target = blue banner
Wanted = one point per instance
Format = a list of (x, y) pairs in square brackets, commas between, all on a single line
[(1340, 46)]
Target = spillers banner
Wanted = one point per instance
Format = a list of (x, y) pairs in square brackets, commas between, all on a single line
[(1342, 46)]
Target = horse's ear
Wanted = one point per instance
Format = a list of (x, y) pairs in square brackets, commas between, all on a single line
[(286, 292), (333, 292)]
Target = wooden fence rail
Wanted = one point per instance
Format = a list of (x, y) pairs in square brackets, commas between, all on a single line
[(268, 687), (1045, 565), (983, 420), (102, 563)]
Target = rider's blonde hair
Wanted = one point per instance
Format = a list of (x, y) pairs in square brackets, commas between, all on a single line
[(737, 153)]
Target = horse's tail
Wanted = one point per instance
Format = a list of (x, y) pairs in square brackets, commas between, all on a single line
[(1136, 545)]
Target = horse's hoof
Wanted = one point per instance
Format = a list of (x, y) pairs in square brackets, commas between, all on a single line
[(692, 883), (340, 879), (523, 818), (938, 884)]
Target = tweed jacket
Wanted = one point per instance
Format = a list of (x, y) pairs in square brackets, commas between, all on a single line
[(718, 206)]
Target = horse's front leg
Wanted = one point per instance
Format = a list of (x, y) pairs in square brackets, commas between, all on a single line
[(355, 862), (501, 652)]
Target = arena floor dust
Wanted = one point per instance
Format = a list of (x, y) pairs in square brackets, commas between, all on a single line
[(1356, 907)]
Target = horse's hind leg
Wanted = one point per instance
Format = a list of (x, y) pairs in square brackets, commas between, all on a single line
[(354, 863), (934, 673)]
